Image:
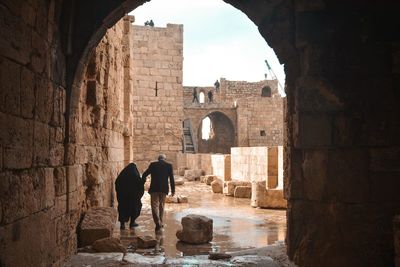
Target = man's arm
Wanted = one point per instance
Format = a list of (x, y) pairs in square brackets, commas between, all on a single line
[(146, 173), (172, 180)]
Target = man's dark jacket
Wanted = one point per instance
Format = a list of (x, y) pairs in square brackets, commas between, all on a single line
[(160, 171)]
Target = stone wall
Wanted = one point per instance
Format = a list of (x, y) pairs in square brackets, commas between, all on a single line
[(37, 216), (260, 121), (249, 164), (217, 164), (98, 129), (157, 114), (342, 64), (257, 119)]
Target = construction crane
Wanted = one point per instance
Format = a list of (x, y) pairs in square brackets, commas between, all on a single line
[(273, 75)]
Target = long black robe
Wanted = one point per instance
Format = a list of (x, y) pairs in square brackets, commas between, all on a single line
[(130, 189)]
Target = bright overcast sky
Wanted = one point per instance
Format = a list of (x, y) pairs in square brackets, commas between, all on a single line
[(219, 40)]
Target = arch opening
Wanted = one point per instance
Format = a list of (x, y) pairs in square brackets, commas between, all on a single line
[(217, 134)]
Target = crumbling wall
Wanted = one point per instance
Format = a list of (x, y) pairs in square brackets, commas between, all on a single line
[(257, 119), (157, 114), (99, 125)]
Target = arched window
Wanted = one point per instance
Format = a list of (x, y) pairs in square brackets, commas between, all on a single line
[(206, 129), (201, 97), (266, 91)]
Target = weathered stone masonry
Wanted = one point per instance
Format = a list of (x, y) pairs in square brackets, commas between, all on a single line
[(157, 58), (253, 120), (342, 64)]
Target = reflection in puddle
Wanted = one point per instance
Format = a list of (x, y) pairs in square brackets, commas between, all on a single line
[(237, 225)]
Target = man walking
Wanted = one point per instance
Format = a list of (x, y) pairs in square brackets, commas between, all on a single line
[(160, 171)]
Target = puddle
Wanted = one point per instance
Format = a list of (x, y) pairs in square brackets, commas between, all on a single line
[(236, 224)]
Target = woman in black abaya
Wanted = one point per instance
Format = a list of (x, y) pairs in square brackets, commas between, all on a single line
[(130, 189)]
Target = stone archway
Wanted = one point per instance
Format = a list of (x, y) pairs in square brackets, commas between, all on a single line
[(342, 136), (323, 64), (222, 137)]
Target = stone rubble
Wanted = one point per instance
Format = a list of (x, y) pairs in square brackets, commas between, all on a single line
[(217, 186), (229, 187), (97, 223), (176, 199), (145, 241), (193, 175), (108, 244), (242, 192), (196, 229), (267, 198)]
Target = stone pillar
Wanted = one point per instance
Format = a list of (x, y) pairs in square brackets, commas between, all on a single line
[(272, 179), (280, 167)]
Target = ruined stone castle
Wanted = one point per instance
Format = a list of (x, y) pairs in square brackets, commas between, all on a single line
[(62, 139)]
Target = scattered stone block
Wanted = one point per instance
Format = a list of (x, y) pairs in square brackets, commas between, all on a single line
[(267, 198), (171, 199), (193, 175), (217, 186), (210, 178), (229, 188), (176, 199), (254, 260), (179, 180), (97, 223), (109, 244), (145, 241), (95, 259), (181, 170), (203, 179), (219, 256), (242, 192), (196, 229), (183, 199), (137, 259)]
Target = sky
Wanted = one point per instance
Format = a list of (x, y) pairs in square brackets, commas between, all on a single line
[(218, 41)]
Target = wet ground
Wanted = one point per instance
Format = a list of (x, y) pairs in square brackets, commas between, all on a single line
[(237, 226)]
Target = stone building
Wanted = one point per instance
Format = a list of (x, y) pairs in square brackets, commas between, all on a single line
[(241, 114), (342, 64)]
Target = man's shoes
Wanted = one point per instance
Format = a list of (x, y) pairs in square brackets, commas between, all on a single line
[(133, 225), (122, 227)]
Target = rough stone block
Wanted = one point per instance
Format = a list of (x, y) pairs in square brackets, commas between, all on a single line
[(95, 259), (229, 188), (27, 93), (217, 186), (74, 174), (41, 146), (140, 260), (192, 175), (60, 183), (242, 192), (386, 159), (108, 244), (267, 198), (10, 79), (314, 131), (179, 180), (196, 229), (209, 179), (145, 241), (97, 223)]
